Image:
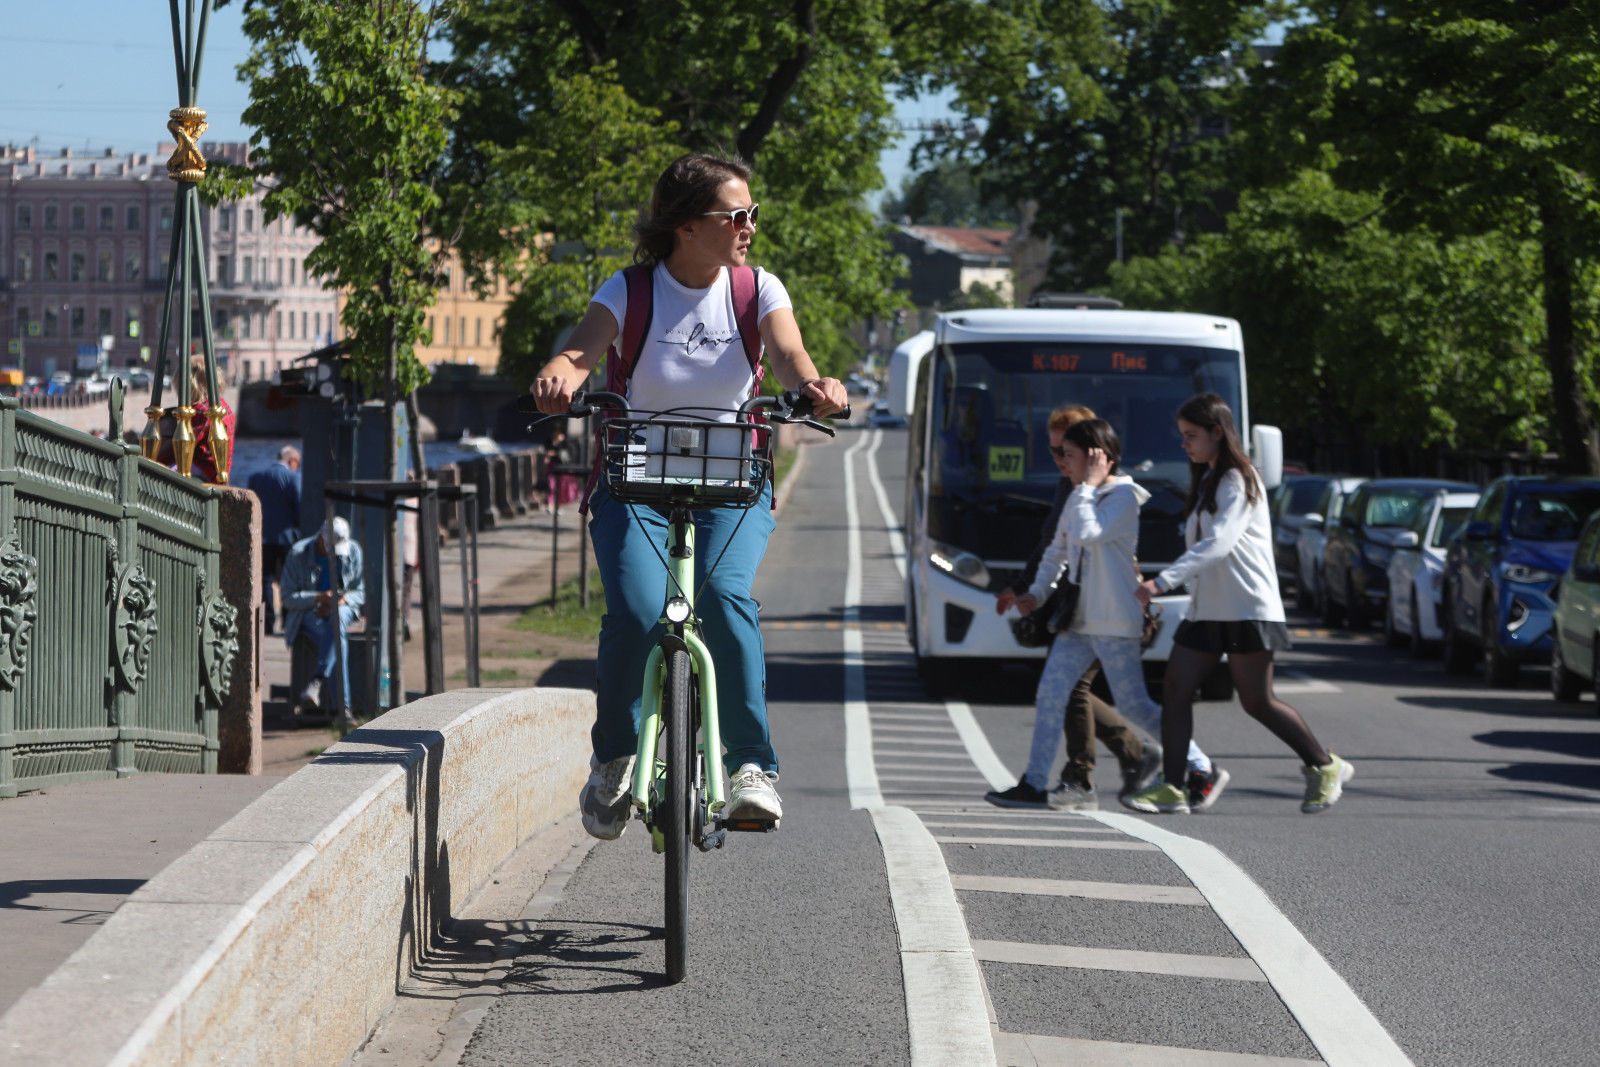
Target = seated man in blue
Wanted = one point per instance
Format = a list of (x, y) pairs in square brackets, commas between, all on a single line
[(310, 597)]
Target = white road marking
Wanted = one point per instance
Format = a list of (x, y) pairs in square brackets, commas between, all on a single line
[(947, 1016), (1328, 1010), (978, 747), (1034, 1050), (1058, 887), (1058, 829), (1301, 682), (897, 542), (1034, 842), (1236, 968)]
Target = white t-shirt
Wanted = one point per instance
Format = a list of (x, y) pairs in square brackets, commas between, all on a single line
[(692, 355)]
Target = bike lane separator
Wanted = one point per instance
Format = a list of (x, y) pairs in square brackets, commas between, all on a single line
[(1333, 1017), (947, 1014)]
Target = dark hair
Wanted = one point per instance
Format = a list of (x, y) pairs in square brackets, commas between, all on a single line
[(684, 192), (1095, 433), (1209, 411)]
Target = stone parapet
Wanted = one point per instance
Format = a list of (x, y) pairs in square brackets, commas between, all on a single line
[(282, 937), (239, 574)]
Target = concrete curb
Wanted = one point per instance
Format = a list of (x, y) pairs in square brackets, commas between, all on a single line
[(283, 936)]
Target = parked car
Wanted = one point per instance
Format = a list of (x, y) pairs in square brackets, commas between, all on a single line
[(1416, 571), (1296, 497), (1500, 567), (1575, 632), (1313, 536), (1355, 561), (882, 416)]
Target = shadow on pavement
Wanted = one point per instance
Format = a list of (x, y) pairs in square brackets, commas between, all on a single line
[(566, 958), (569, 674), (14, 894), (1533, 707)]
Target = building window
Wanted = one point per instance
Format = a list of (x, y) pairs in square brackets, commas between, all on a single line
[(277, 324), (477, 332), (131, 222), (166, 265), (244, 324), (249, 221), (280, 272), (462, 336), (108, 217), (76, 321), (24, 216), (80, 217), (75, 267), (22, 321), (224, 220), (102, 321), (249, 269), (166, 219), (130, 322), (24, 266), (304, 319), (447, 329), (130, 267), (430, 329), (52, 267), (52, 322), (102, 267), (52, 217), (222, 271)]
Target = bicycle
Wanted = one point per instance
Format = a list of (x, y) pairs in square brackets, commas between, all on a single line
[(667, 461)]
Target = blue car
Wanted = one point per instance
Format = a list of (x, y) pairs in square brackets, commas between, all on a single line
[(1495, 604)]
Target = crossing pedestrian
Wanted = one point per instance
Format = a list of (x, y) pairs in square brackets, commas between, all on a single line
[(1094, 549), (1088, 717), (1234, 609)]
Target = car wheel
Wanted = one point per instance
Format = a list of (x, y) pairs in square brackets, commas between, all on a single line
[(1457, 652), (1418, 647), (1355, 612), (1564, 685), (1499, 669)]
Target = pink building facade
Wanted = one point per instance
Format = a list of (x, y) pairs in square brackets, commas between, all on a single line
[(84, 258)]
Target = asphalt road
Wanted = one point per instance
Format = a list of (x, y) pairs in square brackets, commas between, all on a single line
[(1453, 888)]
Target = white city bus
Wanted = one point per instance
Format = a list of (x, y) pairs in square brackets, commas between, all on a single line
[(979, 388)]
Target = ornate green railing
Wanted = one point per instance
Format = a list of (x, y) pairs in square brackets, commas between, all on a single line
[(115, 642)]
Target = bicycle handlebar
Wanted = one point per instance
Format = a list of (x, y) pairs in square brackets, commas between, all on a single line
[(789, 407)]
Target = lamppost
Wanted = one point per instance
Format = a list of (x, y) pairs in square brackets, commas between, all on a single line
[(186, 257)]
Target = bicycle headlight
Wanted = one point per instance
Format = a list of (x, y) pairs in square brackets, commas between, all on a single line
[(1521, 572), (677, 609), (959, 564)]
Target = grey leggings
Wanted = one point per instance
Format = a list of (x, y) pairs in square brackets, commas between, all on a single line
[(1252, 679)]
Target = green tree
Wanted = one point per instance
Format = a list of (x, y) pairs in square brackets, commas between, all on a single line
[(1367, 335), (1116, 109), (948, 194), (349, 134), (798, 88), (1471, 118)]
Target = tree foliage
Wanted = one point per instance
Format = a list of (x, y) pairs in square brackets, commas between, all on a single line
[(798, 88), (951, 192), (349, 131)]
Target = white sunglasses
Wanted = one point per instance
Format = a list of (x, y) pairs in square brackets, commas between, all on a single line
[(740, 216)]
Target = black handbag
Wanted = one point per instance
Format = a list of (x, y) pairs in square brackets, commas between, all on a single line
[(1033, 631)]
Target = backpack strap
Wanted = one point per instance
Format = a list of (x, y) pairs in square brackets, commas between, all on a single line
[(745, 283), (623, 355)]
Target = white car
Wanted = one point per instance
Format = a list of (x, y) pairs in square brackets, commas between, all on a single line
[(1313, 537), (1416, 572)]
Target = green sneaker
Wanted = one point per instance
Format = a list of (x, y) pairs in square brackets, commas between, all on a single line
[(1159, 798), (1325, 784)]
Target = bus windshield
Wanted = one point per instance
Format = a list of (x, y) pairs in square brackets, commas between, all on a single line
[(989, 449)]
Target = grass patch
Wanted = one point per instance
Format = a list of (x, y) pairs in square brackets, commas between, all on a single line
[(782, 462), (567, 618)]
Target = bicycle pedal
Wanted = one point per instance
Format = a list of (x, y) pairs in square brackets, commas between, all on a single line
[(751, 826), (713, 840)]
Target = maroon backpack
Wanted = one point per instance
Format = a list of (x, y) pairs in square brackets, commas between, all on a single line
[(623, 356)]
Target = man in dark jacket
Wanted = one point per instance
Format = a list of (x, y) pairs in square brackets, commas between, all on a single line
[(278, 488)]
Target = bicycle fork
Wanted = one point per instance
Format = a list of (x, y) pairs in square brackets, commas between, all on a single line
[(682, 633)]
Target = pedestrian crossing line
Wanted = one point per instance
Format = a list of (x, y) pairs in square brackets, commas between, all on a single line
[(920, 774), (1177, 964), (1058, 887), (912, 728), (929, 716), (928, 742), (1059, 829), (1033, 842), (957, 757), (1038, 1050), (827, 624), (1301, 682)]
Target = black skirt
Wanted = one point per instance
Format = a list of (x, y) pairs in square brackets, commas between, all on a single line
[(1241, 636)]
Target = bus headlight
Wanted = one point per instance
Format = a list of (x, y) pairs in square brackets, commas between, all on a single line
[(959, 564)]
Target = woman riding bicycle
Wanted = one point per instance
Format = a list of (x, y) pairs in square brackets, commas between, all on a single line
[(692, 360)]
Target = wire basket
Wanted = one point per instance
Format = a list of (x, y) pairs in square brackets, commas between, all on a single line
[(665, 460)]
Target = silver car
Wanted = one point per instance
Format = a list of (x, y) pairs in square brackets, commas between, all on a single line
[(1313, 537), (1416, 572)]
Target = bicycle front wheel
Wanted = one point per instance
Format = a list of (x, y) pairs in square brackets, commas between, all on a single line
[(678, 809)]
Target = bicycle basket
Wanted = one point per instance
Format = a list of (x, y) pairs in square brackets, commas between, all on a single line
[(665, 459)]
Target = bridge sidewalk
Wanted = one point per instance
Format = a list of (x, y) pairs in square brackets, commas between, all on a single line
[(72, 854)]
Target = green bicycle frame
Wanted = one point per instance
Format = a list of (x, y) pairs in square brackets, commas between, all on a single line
[(655, 681)]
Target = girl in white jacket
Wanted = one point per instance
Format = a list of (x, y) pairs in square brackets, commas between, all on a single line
[(1234, 608), (1094, 546)]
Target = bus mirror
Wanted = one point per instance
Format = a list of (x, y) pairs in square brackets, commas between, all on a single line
[(1266, 451)]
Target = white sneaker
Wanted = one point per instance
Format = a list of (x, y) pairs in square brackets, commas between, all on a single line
[(1070, 796), (604, 797), (751, 796)]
